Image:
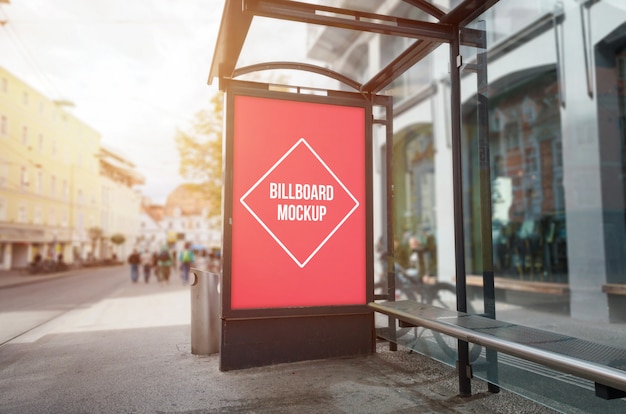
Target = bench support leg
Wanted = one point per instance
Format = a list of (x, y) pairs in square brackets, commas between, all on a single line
[(492, 371), (464, 369), (609, 393)]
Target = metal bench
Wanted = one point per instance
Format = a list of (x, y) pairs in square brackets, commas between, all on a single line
[(602, 364)]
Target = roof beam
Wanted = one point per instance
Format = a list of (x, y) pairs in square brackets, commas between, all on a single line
[(426, 7), (463, 14), (349, 19), (399, 65), (232, 35)]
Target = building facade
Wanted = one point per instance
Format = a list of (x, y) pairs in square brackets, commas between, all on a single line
[(184, 218), (120, 210), (52, 174)]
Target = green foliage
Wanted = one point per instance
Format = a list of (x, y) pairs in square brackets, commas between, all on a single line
[(200, 151), (118, 238)]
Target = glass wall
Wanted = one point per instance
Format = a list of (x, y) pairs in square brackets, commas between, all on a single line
[(554, 99), (555, 102)]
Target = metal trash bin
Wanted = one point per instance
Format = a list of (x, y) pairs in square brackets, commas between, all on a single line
[(205, 312)]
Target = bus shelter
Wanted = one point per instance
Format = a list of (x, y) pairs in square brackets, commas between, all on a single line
[(298, 254)]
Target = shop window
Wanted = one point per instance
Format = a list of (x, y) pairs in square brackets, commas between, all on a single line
[(527, 179)]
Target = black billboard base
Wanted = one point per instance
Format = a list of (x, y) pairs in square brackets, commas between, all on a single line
[(248, 343)]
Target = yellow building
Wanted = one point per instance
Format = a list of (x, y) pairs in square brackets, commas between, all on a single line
[(51, 186), (120, 206)]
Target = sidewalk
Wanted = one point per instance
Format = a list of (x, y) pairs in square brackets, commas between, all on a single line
[(131, 353)]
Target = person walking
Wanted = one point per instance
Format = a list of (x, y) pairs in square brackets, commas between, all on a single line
[(164, 266), (146, 264), (186, 259), (134, 259), (155, 265)]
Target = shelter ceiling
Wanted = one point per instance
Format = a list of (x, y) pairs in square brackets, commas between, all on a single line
[(256, 32)]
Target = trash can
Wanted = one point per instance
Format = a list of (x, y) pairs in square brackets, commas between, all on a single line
[(205, 312)]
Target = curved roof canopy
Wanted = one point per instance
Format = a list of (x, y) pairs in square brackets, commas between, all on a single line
[(261, 35)]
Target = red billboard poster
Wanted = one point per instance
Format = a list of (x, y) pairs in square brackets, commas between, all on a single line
[(298, 204)]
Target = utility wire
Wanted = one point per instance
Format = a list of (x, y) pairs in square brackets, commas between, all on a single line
[(11, 30)]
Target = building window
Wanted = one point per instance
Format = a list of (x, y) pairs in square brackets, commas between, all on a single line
[(80, 221), (65, 190), (4, 126), (38, 215), (21, 214), (40, 143), (4, 85), (53, 186), (3, 209), (39, 181), (24, 135), (4, 173), (511, 135), (54, 149), (23, 178), (25, 98), (52, 218)]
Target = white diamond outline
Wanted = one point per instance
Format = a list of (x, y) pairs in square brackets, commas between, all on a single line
[(271, 233)]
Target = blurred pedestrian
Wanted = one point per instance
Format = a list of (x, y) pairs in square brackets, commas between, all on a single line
[(155, 265), (186, 260), (146, 264), (164, 266), (134, 260)]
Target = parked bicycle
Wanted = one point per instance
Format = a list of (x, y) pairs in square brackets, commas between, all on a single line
[(429, 291), (45, 266)]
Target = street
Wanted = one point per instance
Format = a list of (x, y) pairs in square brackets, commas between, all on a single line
[(36, 305)]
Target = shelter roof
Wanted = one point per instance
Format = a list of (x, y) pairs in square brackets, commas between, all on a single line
[(244, 47)]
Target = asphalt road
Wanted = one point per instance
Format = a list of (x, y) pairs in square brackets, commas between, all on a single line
[(26, 307)]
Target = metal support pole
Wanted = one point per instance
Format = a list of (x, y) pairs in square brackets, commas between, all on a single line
[(389, 199), (463, 364), (489, 293)]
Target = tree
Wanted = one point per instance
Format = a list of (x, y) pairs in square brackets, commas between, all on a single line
[(200, 151), (118, 238)]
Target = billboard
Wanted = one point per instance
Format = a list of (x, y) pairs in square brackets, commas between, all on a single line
[(297, 205)]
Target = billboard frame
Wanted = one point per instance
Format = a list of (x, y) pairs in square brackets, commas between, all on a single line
[(249, 325)]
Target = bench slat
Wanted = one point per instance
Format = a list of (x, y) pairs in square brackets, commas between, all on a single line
[(596, 362)]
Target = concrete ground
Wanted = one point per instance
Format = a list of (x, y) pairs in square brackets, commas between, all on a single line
[(131, 353)]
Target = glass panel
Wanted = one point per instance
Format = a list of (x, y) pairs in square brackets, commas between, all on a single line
[(555, 116)]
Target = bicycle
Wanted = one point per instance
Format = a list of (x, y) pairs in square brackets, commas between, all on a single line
[(410, 286)]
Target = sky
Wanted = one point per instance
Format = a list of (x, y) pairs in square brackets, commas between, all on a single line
[(136, 70)]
